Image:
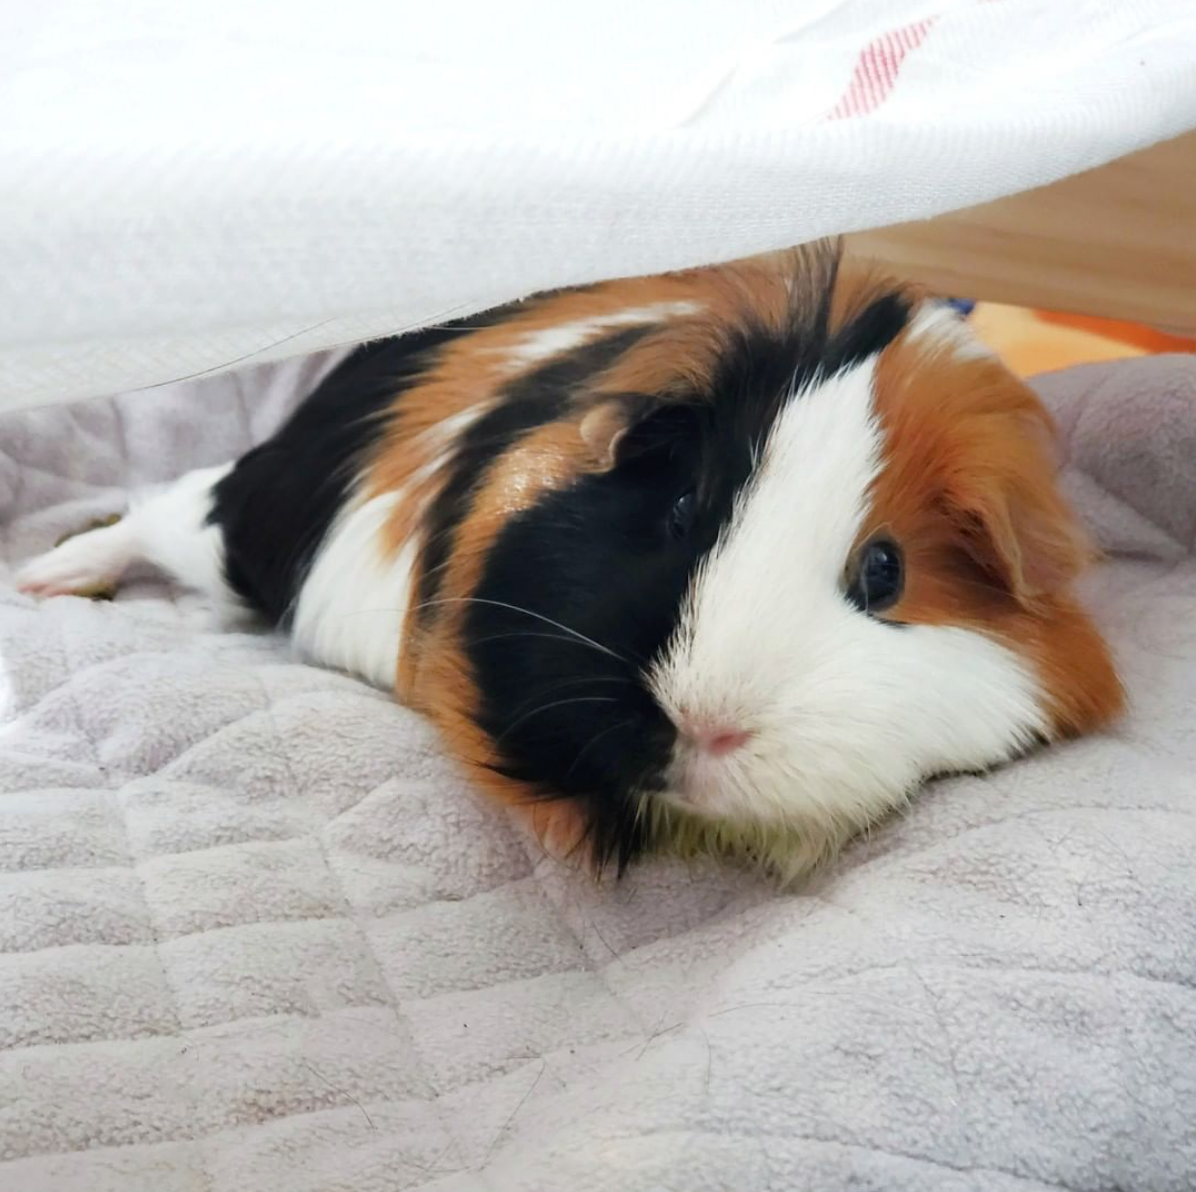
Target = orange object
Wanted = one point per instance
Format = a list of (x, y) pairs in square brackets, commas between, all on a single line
[(1035, 341), (1134, 334)]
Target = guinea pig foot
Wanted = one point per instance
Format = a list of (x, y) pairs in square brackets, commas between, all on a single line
[(86, 562), (558, 828), (96, 523)]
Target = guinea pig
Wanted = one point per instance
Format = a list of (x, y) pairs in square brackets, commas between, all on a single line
[(729, 560)]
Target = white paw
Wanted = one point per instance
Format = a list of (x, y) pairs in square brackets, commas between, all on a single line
[(93, 560)]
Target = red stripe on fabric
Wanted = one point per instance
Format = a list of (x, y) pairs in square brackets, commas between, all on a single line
[(877, 68)]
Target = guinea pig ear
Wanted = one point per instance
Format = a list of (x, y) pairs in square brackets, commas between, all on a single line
[(605, 427), (1020, 531)]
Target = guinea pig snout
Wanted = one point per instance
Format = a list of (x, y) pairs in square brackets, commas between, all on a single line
[(710, 751), (715, 736)]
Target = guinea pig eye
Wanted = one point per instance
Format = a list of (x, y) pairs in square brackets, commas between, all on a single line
[(681, 516), (876, 580)]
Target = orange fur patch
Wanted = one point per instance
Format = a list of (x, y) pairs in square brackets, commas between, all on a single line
[(969, 490)]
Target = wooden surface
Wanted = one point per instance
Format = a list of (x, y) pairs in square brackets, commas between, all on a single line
[(1118, 241)]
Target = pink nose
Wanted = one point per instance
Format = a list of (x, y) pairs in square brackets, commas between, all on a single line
[(724, 741), (715, 739)]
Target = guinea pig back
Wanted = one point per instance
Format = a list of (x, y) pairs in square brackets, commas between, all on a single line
[(729, 559)]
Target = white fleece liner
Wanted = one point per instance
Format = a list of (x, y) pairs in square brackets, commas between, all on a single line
[(255, 934)]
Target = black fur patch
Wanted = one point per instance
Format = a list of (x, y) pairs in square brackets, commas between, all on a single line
[(276, 505), (581, 593), (578, 595), (761, 368), (527, 403)]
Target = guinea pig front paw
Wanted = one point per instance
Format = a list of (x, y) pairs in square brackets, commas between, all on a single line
[(559, 827)]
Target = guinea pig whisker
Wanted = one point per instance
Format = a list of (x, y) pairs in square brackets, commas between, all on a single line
[(553, 637), (440, 567), (552, 687), (560, 703), (527, 612), (594, 741)]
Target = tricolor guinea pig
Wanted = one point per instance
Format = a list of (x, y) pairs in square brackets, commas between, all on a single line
[(730, 559)]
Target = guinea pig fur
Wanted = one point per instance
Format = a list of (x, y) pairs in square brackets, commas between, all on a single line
[(725, 560)]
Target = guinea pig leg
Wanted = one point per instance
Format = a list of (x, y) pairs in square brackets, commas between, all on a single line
[(166, 528), (558, 826), (88, 563)]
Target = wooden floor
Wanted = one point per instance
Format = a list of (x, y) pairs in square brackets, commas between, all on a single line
[(1118, 241)]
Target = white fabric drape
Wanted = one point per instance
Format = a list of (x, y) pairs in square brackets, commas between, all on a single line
[(185, 186)]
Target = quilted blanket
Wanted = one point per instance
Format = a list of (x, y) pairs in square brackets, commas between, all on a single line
[(255, 934)]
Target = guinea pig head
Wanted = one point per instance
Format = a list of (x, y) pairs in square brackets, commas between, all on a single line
[(803, 547)]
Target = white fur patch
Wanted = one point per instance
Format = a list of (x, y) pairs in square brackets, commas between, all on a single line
[(936, 326), (166, 527), (172, 529), (350, 610), (91, 560), (847, 713), (448, 430), (552, 341)]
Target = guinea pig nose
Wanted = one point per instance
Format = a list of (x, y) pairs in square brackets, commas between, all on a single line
[(716, 739), (724, 741)]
